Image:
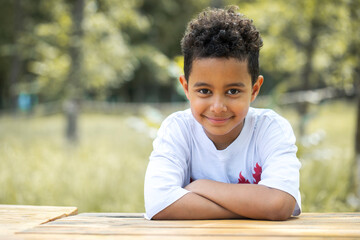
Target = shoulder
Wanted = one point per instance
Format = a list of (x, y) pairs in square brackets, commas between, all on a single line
[(180, 119), (262, 114), (176, 124), (263, 118), (267, 124), (174, 137), (184, 115)]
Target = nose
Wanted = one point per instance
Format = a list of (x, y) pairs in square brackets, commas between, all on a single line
[(218, 105)]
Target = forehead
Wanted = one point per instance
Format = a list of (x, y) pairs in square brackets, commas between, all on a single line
[(220, 70)]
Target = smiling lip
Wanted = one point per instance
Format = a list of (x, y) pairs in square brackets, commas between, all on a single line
[(218, 120)]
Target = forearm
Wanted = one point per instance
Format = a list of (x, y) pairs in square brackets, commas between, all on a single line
[(248, 200), (193, 206)]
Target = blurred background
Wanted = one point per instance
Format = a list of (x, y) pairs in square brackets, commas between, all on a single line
[(85, 84)]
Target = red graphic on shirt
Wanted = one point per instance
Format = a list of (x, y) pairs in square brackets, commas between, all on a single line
[(256, 175), (242, 179)]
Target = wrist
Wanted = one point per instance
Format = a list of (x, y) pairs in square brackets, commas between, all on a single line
[(201, 187)]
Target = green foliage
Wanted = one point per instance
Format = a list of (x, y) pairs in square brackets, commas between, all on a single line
[(297, 33), (107, 57), (155, 78), (121, 42), (128, 46)]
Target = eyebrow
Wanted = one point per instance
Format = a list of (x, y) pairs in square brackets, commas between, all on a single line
[(203, 84), (238, 84)]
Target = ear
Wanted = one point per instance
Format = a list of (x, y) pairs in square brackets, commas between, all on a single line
[(185, 85), (256, 87)]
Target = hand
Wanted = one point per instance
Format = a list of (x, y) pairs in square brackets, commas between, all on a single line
[(196, 185), (205, 187), (191, 185)]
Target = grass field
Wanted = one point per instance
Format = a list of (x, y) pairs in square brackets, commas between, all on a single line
[(105, 170), (327, 157)]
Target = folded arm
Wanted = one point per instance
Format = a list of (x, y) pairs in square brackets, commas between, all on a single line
[(248, 200), (213, 200), (194, 206)]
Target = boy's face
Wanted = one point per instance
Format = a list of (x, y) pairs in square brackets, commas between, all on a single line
[(220, 92)]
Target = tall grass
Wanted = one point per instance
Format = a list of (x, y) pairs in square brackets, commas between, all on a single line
[(327, 156), (105, 171)]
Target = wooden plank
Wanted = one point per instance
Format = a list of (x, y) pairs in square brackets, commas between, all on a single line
[(188, 232), (137, 237), (15, 218), (138, 221), (344, 225)]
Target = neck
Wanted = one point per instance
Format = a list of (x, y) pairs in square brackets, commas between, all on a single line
[(221, 142)]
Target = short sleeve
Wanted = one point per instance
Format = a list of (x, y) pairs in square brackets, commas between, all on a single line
[(168, 169), (281, 167)]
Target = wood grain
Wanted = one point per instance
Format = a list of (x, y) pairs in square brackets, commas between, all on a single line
[(15, 218), (46, 222), (134, 226)]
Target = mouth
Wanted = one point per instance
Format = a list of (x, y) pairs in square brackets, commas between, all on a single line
[(217, 120)]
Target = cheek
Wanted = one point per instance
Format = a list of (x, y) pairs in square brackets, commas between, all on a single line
[(196, 109), (240, 107), (198, 104)]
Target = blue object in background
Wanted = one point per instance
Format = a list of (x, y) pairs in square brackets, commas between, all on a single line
[(24, 102)]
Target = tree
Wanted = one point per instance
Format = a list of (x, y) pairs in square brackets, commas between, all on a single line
[(75, 74), (16, 61), (304, 45), (309, 45), (18, 19), (106, 59), (128, 49), (155, 76), (354, 57)]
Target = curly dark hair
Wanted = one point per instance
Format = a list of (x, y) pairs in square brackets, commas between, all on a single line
[(222, 33)]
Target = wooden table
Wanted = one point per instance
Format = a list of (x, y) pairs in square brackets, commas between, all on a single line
[(31, 222)]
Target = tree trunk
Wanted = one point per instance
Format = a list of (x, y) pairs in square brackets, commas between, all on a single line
[(306, 73), (356, 179), (74, 91), (355, 176), (354, 51), (16, 62)]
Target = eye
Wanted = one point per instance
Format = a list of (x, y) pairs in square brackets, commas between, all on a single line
[(204, 91), (232, 91)]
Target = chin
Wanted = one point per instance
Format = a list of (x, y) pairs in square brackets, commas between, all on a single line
[(217, 132)]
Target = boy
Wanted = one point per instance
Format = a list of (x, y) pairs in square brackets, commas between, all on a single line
[(222, 158)]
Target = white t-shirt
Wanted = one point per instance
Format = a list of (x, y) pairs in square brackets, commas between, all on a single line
[(263, 153)]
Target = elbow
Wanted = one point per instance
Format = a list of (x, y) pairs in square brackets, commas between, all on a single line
[(162, 215), (165, 214), (157, 217), (281, 209), (279, 215)]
